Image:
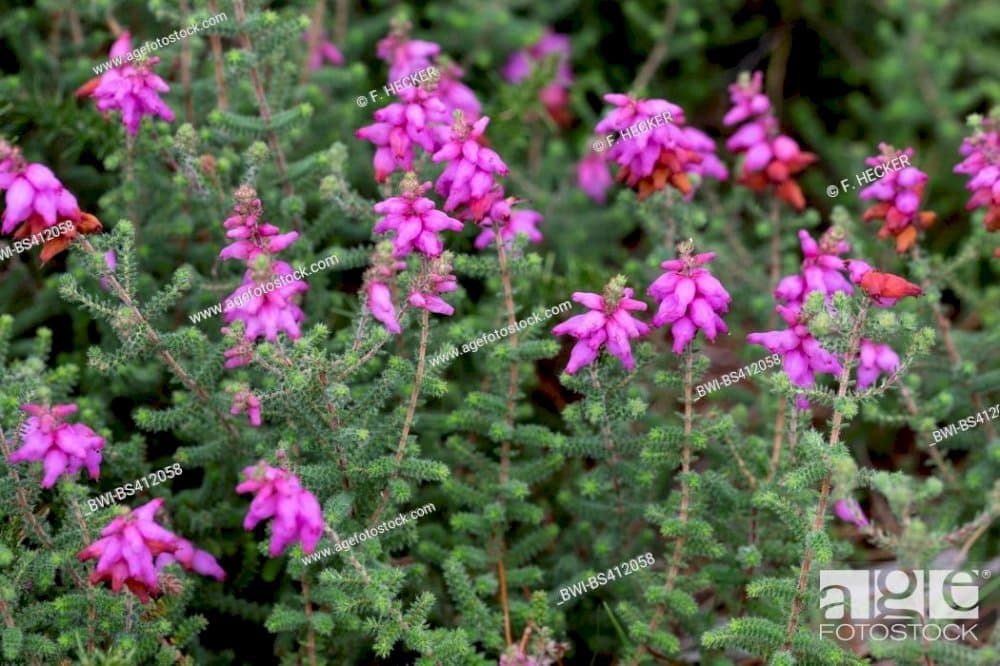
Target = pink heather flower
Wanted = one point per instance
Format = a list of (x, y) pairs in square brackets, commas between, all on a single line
[(279, 495), (512, 223), (251, 237), (132, 88), (34, 195), (748, 100), (405, 56), (130, 542), (850, 511), (982, 163), (648, 143), (822, 270), (111, 261), (377, 281), (62, 447), (690, 298), (609, 322), (873, 360), (246, 401), (771, 159), (554, 96), (898, 193), (324, 50), (710, 165), (401, 125), (439, 281), (414, 220), (456, 96), (803, 356), (380, 305), (240, 354), (265, 302), (520, 64), (594, 177), (470, 177)]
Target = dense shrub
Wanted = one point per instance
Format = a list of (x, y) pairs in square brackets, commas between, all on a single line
[(456, 332)]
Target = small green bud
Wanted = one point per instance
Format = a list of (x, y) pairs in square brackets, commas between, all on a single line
[(293, 205), (328, 187), (933, 486), (848, 407), (257, 153), (186, 139), (887, 320), (636, 407), (821, 324)]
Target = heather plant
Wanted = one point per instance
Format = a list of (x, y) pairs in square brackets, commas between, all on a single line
[(779, 369)]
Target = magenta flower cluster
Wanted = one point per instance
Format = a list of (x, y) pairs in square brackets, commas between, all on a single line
[(266, 300), (468, 184), (770, 158), (407, 56), (981, 151), (609, 322), (555, 95), (278, 494), (689, 297), (33, 193), (133, 549), (63, 448), (652, 147), (415, 221), (822, 270), (324, 51), (132, 88), (897, 194)]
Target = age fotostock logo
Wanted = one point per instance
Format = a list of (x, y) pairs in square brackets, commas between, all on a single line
[(900, 604)]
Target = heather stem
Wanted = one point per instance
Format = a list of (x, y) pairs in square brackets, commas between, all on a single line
[(265, 109), (91, 607), (779, 428), (315, 32), (939, 461), (949, 343), (220, 80), (410, 412), (675, 563), (511, 398), (340, 22), (512, 323), (310, 636), (824, 493), (610, 446), (775, 253), (151, 334), (130, 179), (659, 51), (186, 67), (28, 515)]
